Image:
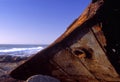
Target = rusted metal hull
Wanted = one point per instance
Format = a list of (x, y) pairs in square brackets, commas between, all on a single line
[(76, 56)]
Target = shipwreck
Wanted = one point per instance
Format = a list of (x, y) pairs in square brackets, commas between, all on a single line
[(89, 50)]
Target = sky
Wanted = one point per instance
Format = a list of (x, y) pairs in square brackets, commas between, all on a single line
[(37, 21)]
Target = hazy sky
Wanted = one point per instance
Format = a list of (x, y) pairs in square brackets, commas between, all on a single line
[(37, 21)]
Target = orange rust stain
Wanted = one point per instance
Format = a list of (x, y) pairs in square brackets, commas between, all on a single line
[(98, 28), (75, 25)]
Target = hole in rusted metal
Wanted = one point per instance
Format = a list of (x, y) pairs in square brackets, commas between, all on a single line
[(83, 52), (88, 52), (80, 53)]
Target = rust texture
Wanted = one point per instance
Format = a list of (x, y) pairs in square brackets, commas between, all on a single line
[(83, 52)]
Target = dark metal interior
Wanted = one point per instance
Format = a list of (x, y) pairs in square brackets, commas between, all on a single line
[(110, 18)]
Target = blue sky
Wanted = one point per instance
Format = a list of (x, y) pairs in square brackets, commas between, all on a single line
[(37, 21)]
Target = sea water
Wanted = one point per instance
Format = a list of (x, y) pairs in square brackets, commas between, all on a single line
[(20, 49)]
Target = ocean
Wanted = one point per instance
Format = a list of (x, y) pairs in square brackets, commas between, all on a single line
[(23, 50)]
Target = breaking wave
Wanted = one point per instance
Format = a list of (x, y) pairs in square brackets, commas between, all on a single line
[(20, 51)]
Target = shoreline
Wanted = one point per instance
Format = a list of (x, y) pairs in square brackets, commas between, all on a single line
[(7, 64)]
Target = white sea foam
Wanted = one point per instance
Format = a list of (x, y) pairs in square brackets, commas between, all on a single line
[(20, 51)]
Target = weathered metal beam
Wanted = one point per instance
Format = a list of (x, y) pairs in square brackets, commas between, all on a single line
[(76, 56)]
